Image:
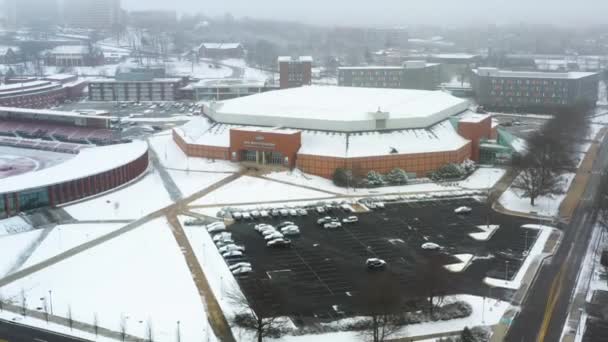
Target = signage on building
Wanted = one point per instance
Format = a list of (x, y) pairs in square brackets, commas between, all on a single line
[(259, 144)]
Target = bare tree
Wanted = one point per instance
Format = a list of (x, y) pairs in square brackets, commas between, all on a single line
[(45, 309), (123, 327), (69, 317), (149, 331), (261, 317), (434, 282), (382, 301), (96, 323)]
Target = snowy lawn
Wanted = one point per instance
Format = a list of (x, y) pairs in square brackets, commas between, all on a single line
[(190, 182), (545, 206), (250, 189), (141, 276), (199, 70), (68, 236), (171, 156), (535, 253), (133, 201), (483, 178), (13, 225), (12, 246)]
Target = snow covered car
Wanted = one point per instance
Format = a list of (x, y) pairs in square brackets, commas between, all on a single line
[(293, 212), (224, 242), (284, 212), (264, 213), (302, 212), (320, 210), (268, 231), (290, 230), (255, 214), (285, 224), (222, 236), (261, 226), (346, 207), (430, 246), (275, 213), (237, 215), (371, 205), (216, 229), (463, 210), (247, 216), (230, 248), (217, 223), (242, 270), (232, 255), (324, 220), (380, 205), (279, 243), (239, 265), (332, 225), (350, 219), (375, 263), (273, 236)]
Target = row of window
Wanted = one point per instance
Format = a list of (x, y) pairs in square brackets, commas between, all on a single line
[(528, 81)]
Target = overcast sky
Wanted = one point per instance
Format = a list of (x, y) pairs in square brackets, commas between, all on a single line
[(396, 12)]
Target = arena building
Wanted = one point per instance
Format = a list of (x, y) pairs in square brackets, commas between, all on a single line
[(90, 172), (40, 93), (319, 129)]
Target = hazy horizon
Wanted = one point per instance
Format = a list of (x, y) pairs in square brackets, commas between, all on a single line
[(395, 12)]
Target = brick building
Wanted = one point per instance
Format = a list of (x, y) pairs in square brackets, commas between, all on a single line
[(319, 129), (221, 50), (74, 56), (295, 72), (411, 75)]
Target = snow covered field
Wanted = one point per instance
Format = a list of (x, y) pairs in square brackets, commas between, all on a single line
[(133, 201), (189, 182), (68, 236), (250, 189), (483, 178), (201, 70), (140, 276), (171, 156), (13, 225), (12, 246), (536, 252), (545, 206)]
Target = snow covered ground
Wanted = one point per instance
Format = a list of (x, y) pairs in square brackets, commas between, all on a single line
[(250, 189), (545, 206), (133, 201), (171, 156), (190, 182), (68, 236), (465, 261), (535, 253), (141, 276), (13, 225), (487, 232), (483, 178), (12, 246), (249, 73), (201, 70)]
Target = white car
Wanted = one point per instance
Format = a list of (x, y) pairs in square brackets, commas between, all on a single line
[(285, 224), (222, 236), (324, 220), (267, 232), (242, 270), (264, 213), (375, 263), (239, 265), (290, 230), (371, 205), (380, 205), (463, 210), (320, 210), (284, 212), (237, 215), (229, 248), (431, 246), (293, 212), (332, 225), (261, 226), (217, 223), (232, 254), (216, 229), (224, 242), (255, 214), (350, 219), (247, 216), (302, 212), (273, 236), (279, 243)]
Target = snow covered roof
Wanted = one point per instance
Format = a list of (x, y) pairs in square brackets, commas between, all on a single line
[(228, 83), (494, 72), (340, 109), (221, 46), (47, 112), (90, 161), (60, 77), (4, 49), (456, 55), (298, 59), (471, 117), (16, 86), (70, 49)]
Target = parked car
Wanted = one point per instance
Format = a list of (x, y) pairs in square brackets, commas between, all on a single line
[(231, 247), (302, 212), (323, 220), (232, 254), (261, 226), (255, 214), (264, 213), (279, 243), (284, 212), (350, 219), (242, 270), (237, 215), (222, 236), (268, 231), (346, 207), (217, 223), (371, 205), (285, 224), (431, 246), (463, 210), (293, 212), (216, 229), (273, 236), (247, 216), (239, 265), (275, 213), (320, 210), (224, 242), (332, 225), (380, 205), (375, 264), (290, 231)]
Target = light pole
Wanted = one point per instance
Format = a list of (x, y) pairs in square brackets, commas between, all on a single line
[(51, 300), (179, 338)]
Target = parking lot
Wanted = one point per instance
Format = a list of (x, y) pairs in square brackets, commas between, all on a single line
[(322, 272)]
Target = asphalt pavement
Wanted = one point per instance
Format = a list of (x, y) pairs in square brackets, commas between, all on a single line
[(15, 332)]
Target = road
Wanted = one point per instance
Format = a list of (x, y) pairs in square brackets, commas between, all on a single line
[(15, 332), (545, 309)]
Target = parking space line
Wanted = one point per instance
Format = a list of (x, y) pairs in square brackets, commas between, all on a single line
[(313, 271)]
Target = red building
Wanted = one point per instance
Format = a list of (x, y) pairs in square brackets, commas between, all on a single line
[(295, 72)]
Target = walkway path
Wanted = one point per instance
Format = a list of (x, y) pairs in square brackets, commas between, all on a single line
[(172, 189), (22, 258)]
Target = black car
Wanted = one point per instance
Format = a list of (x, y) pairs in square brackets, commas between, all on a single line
[(279, 243), (375, 264)]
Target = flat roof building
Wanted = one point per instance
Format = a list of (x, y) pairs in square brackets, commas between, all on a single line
[(94, 14), (411, 75), (295, 72), (321, 128), (225, 89), (534, 91)]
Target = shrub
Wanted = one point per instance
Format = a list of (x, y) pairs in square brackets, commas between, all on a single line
[(375, 179), (342, 177), (397, 176)]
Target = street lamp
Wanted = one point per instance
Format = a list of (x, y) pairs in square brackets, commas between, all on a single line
[(51, 300)]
